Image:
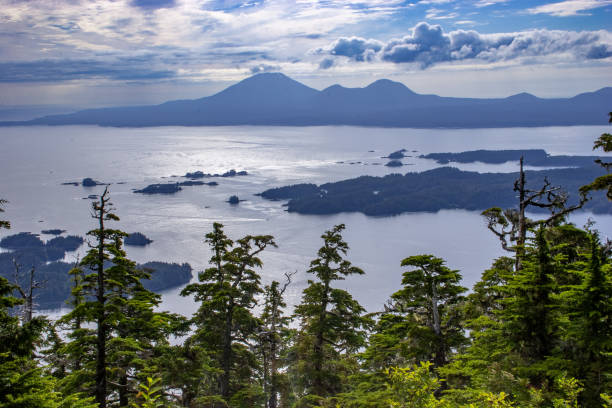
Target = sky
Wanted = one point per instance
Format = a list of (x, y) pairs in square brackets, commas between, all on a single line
[(86, 53)]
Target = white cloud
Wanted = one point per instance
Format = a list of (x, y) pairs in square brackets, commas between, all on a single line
[(435, 1), (485, 3), (204, 41), (429, 45), (185, 33), (436, 14), (569, 7)]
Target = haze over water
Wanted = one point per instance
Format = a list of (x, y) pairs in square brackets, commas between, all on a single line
[(34, 161)]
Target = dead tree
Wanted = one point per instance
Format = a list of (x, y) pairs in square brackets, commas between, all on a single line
[(511, 225), (270, 338), (26, 294)]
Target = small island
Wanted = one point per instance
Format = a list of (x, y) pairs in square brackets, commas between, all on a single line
[(399, 154), (531, 157), (21, 240), (166, 275), (200, 174), (394, 163), (89, 182), (55, 231), (28, 251), (86, 182), (137, 239), (68, 244), (170, 188)]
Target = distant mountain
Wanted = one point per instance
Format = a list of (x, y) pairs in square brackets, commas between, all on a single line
[(275, 99)]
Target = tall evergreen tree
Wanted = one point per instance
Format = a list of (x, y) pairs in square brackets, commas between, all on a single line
[(272, 340), (332, 323), (589, 310), (224, 323), (113, 327), (429, 304), (529, 314)]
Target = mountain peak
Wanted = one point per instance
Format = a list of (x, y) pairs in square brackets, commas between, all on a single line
[(266, 76), (387, 85), (269, 88), (523, 96)]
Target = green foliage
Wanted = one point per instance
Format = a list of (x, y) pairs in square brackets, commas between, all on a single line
[(272, 342), (428, 305), (529, 311), (604, 142), (535, 336), (23, 384), (224, 322), (331, 323), (149, 394), (414, 387), (113, 329)]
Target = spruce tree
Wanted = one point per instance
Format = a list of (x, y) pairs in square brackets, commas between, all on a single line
[(332, 323), (589, 315), (272, 341), (224, 323), (113, 328), (428, 301), (528, 317)]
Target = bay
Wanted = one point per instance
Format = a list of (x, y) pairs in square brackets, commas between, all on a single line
[(35, 161)]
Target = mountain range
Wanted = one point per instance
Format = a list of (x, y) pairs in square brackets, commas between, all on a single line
[(275, 99)]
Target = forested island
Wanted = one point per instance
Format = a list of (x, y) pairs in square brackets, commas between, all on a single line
[(29, 253), (532, 157), (430, 191), (137, 239)]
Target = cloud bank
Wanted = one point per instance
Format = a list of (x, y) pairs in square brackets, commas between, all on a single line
[(428, 45)]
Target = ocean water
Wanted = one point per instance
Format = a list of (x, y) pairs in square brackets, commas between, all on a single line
[(35, 161)]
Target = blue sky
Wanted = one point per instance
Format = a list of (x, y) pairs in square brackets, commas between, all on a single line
[(123, 52)]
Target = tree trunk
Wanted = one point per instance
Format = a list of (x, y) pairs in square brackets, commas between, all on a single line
[(318, 346), (101, 330), (123, 391), (226, 359), (272, 399), (440, 358), (522, 223)]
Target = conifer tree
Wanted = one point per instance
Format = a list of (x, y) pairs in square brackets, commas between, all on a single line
[(332, 323), (589, 309), (483, 363), (113, 328), (429, 301), (512, 225), (272, 340), (224, 323), (23, 382), (528, 316)]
